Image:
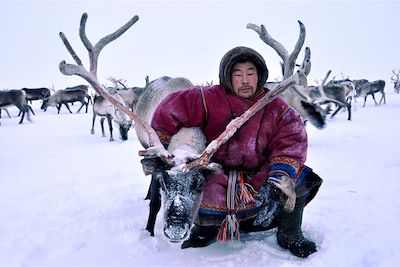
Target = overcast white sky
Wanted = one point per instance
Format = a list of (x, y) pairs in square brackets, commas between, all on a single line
[(359, 39)]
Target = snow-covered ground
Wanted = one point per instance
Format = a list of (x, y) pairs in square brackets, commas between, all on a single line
[(69, 198)]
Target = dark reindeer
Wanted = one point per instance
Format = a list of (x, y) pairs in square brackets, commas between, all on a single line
[(36, 93), (181, 174), (15, 98)]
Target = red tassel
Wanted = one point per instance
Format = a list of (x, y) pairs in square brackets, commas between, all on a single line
[(247, 192), (229, 229)]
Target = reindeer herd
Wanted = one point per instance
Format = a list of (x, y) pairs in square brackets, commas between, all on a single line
[(178, 183), (22, 98), (314, 102)]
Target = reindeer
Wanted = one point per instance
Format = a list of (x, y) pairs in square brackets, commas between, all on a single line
[(83, 87), (66, 96), (296, 96), (396, 81), (36, 93), (338, 90), (181, 191), (182, 172), (17, 98), (349, 91), (364, 88), (103, 108)]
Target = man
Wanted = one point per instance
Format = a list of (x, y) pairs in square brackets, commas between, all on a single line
[(264, 183)]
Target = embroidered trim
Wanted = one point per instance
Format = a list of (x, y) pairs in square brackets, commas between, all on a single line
[(284, 166), (209, 212), (207, 207), (286, 160), (301, 174)]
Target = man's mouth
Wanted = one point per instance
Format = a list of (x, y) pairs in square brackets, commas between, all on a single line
[(245, 89)]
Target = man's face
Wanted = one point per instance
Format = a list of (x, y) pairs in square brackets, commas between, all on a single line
[(244, 79)]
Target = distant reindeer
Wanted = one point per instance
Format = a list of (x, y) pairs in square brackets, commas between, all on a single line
[(63, 97), (364, 88), (15, 98), (36, 93), (396, 81), (181, 177), (104, 109)]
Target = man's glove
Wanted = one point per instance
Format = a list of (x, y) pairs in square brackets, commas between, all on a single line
[(269, 199), (150, 164)]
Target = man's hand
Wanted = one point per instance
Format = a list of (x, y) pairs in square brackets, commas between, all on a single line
[(150, 164), (269, 199)]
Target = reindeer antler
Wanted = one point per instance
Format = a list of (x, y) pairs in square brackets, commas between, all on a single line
[(396, 76), (289, 61), (91, 77)]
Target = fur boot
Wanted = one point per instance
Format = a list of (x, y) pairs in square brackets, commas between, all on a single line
[(289, 234)]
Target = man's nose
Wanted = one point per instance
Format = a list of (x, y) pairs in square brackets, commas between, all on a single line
[(245, 80)]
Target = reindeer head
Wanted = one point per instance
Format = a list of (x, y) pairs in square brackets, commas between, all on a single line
[(182, 193), (124, 129), (124, 123), (45, 104), (181, 188)]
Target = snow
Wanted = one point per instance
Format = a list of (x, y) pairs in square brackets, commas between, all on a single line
[(69, 198)]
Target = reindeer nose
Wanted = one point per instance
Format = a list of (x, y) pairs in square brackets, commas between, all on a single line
[(176, 208)]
